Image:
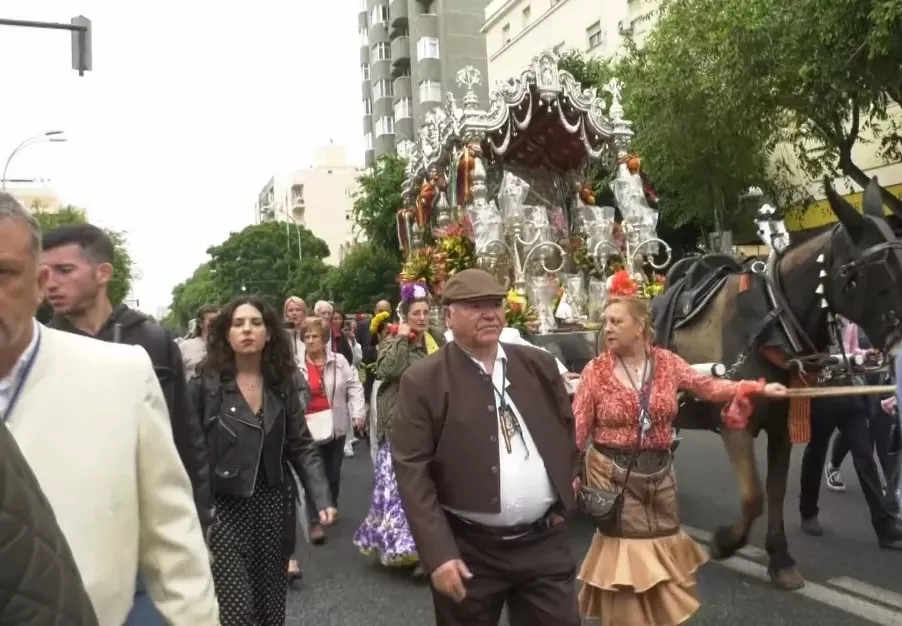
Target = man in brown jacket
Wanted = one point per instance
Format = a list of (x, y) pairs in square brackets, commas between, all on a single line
[(485, 457)]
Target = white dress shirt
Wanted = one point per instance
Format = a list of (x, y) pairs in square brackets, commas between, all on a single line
[(526, 490), (13, 380)]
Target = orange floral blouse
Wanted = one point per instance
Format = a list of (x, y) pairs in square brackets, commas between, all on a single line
[(608, 411)]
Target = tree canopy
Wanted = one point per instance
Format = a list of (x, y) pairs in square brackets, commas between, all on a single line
[(814, 74), (273, 260), (367, 275), (123, 267), (378, 202)]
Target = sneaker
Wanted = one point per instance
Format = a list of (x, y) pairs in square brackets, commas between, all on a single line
[(834, 479), (349, 452)]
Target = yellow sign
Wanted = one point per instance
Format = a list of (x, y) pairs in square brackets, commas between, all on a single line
[(818, 213)]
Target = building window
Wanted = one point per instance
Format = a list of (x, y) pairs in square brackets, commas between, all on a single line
[(427, 48), (527, 15), (380, 14), (382, 52), (382, 89), (595, 35), (385, 126), (505, 34), (368, 141), (365, 71), (403, 109), (364, 37), (430, 91), (297, 195), (367, 106)]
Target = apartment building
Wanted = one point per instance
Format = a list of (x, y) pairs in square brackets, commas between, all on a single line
[(318, 198), (518, 30), (410, 53)]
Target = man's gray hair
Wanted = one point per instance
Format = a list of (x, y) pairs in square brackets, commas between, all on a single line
[(321, 306), (12, 209)]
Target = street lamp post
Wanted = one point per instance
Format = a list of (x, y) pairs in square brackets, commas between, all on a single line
[(52, 136)]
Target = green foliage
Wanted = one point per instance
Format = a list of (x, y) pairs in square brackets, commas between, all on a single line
[(378, 202), (263, 259), (813, 73), (367, 275), (189, 296), (123, 266)]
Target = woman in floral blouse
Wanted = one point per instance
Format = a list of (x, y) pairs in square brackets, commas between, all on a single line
[(644, 576)]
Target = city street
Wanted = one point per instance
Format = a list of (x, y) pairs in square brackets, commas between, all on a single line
[(851, 582)]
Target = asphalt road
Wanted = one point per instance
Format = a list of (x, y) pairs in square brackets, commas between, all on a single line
[(852, 582)]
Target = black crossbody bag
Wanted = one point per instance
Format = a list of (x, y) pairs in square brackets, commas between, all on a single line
[(603, 506)]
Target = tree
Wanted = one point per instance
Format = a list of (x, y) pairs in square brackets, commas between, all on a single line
[(123, 266), (378, 202), (818, 83), (189, 296), (265, 259), (367, 275)]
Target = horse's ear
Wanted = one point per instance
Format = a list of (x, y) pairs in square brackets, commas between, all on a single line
[(871, 201), (845, 212)]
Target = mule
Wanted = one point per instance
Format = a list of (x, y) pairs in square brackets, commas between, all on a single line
[(852, 269)]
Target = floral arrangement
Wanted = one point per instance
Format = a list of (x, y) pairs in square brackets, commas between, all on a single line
[(580, 255), (455, 243), (427, 266), (517, 313), (622, 284), (413, 291), (377, 321), (653, 287)]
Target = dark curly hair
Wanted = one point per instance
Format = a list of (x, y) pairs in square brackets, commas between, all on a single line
[(278, 364)]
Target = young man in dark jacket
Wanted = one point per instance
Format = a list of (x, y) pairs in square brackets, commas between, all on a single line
[(80, 258)]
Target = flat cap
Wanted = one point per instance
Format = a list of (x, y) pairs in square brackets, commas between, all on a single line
[(470, 285)]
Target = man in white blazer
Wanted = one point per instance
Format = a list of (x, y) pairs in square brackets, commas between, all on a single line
[(91, 420)]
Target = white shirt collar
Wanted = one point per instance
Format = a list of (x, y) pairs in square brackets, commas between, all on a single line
[(14, 378)]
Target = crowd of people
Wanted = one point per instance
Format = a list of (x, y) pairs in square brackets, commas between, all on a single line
[(163, 478)]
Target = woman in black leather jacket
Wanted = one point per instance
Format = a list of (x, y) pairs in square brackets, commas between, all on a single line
[(248, 393)]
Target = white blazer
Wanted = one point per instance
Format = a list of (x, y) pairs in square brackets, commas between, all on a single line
[(92, 423)]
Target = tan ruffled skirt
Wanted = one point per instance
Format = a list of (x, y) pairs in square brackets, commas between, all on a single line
[(646, 576)]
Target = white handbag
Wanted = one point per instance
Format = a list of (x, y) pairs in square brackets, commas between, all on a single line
[(321, 423)]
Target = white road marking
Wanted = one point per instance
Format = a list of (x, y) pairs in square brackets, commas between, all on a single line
[(868, 591), (850, 604), (750, 552)]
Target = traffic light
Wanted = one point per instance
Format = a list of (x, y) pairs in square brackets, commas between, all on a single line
[(81, 44)]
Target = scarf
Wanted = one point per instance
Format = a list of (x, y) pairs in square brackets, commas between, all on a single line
[(431, 344)]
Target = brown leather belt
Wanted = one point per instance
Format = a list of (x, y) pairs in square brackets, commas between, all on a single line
[(503, 533), (646, 462)]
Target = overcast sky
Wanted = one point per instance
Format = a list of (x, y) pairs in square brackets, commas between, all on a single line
[(191, 107)]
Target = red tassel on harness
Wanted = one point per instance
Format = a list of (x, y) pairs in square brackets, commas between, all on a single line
[(736, 414)]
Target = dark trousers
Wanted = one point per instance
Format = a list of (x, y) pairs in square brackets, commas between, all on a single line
[(332, 453), (534, 575), (849, 415), (879, 426)]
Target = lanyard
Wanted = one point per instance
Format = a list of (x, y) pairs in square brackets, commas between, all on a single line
[(23, 378), (644, 419)]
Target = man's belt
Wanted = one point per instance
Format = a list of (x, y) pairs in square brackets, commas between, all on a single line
[(503, 533)]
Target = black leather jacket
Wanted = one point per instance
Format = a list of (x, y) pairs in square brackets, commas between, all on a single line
[(239, 447)]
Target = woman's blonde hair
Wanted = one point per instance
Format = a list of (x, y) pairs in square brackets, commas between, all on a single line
[(317, 324), (638, 310)]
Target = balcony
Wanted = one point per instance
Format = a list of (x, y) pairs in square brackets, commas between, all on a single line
[(400, 50), (398, 12)]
